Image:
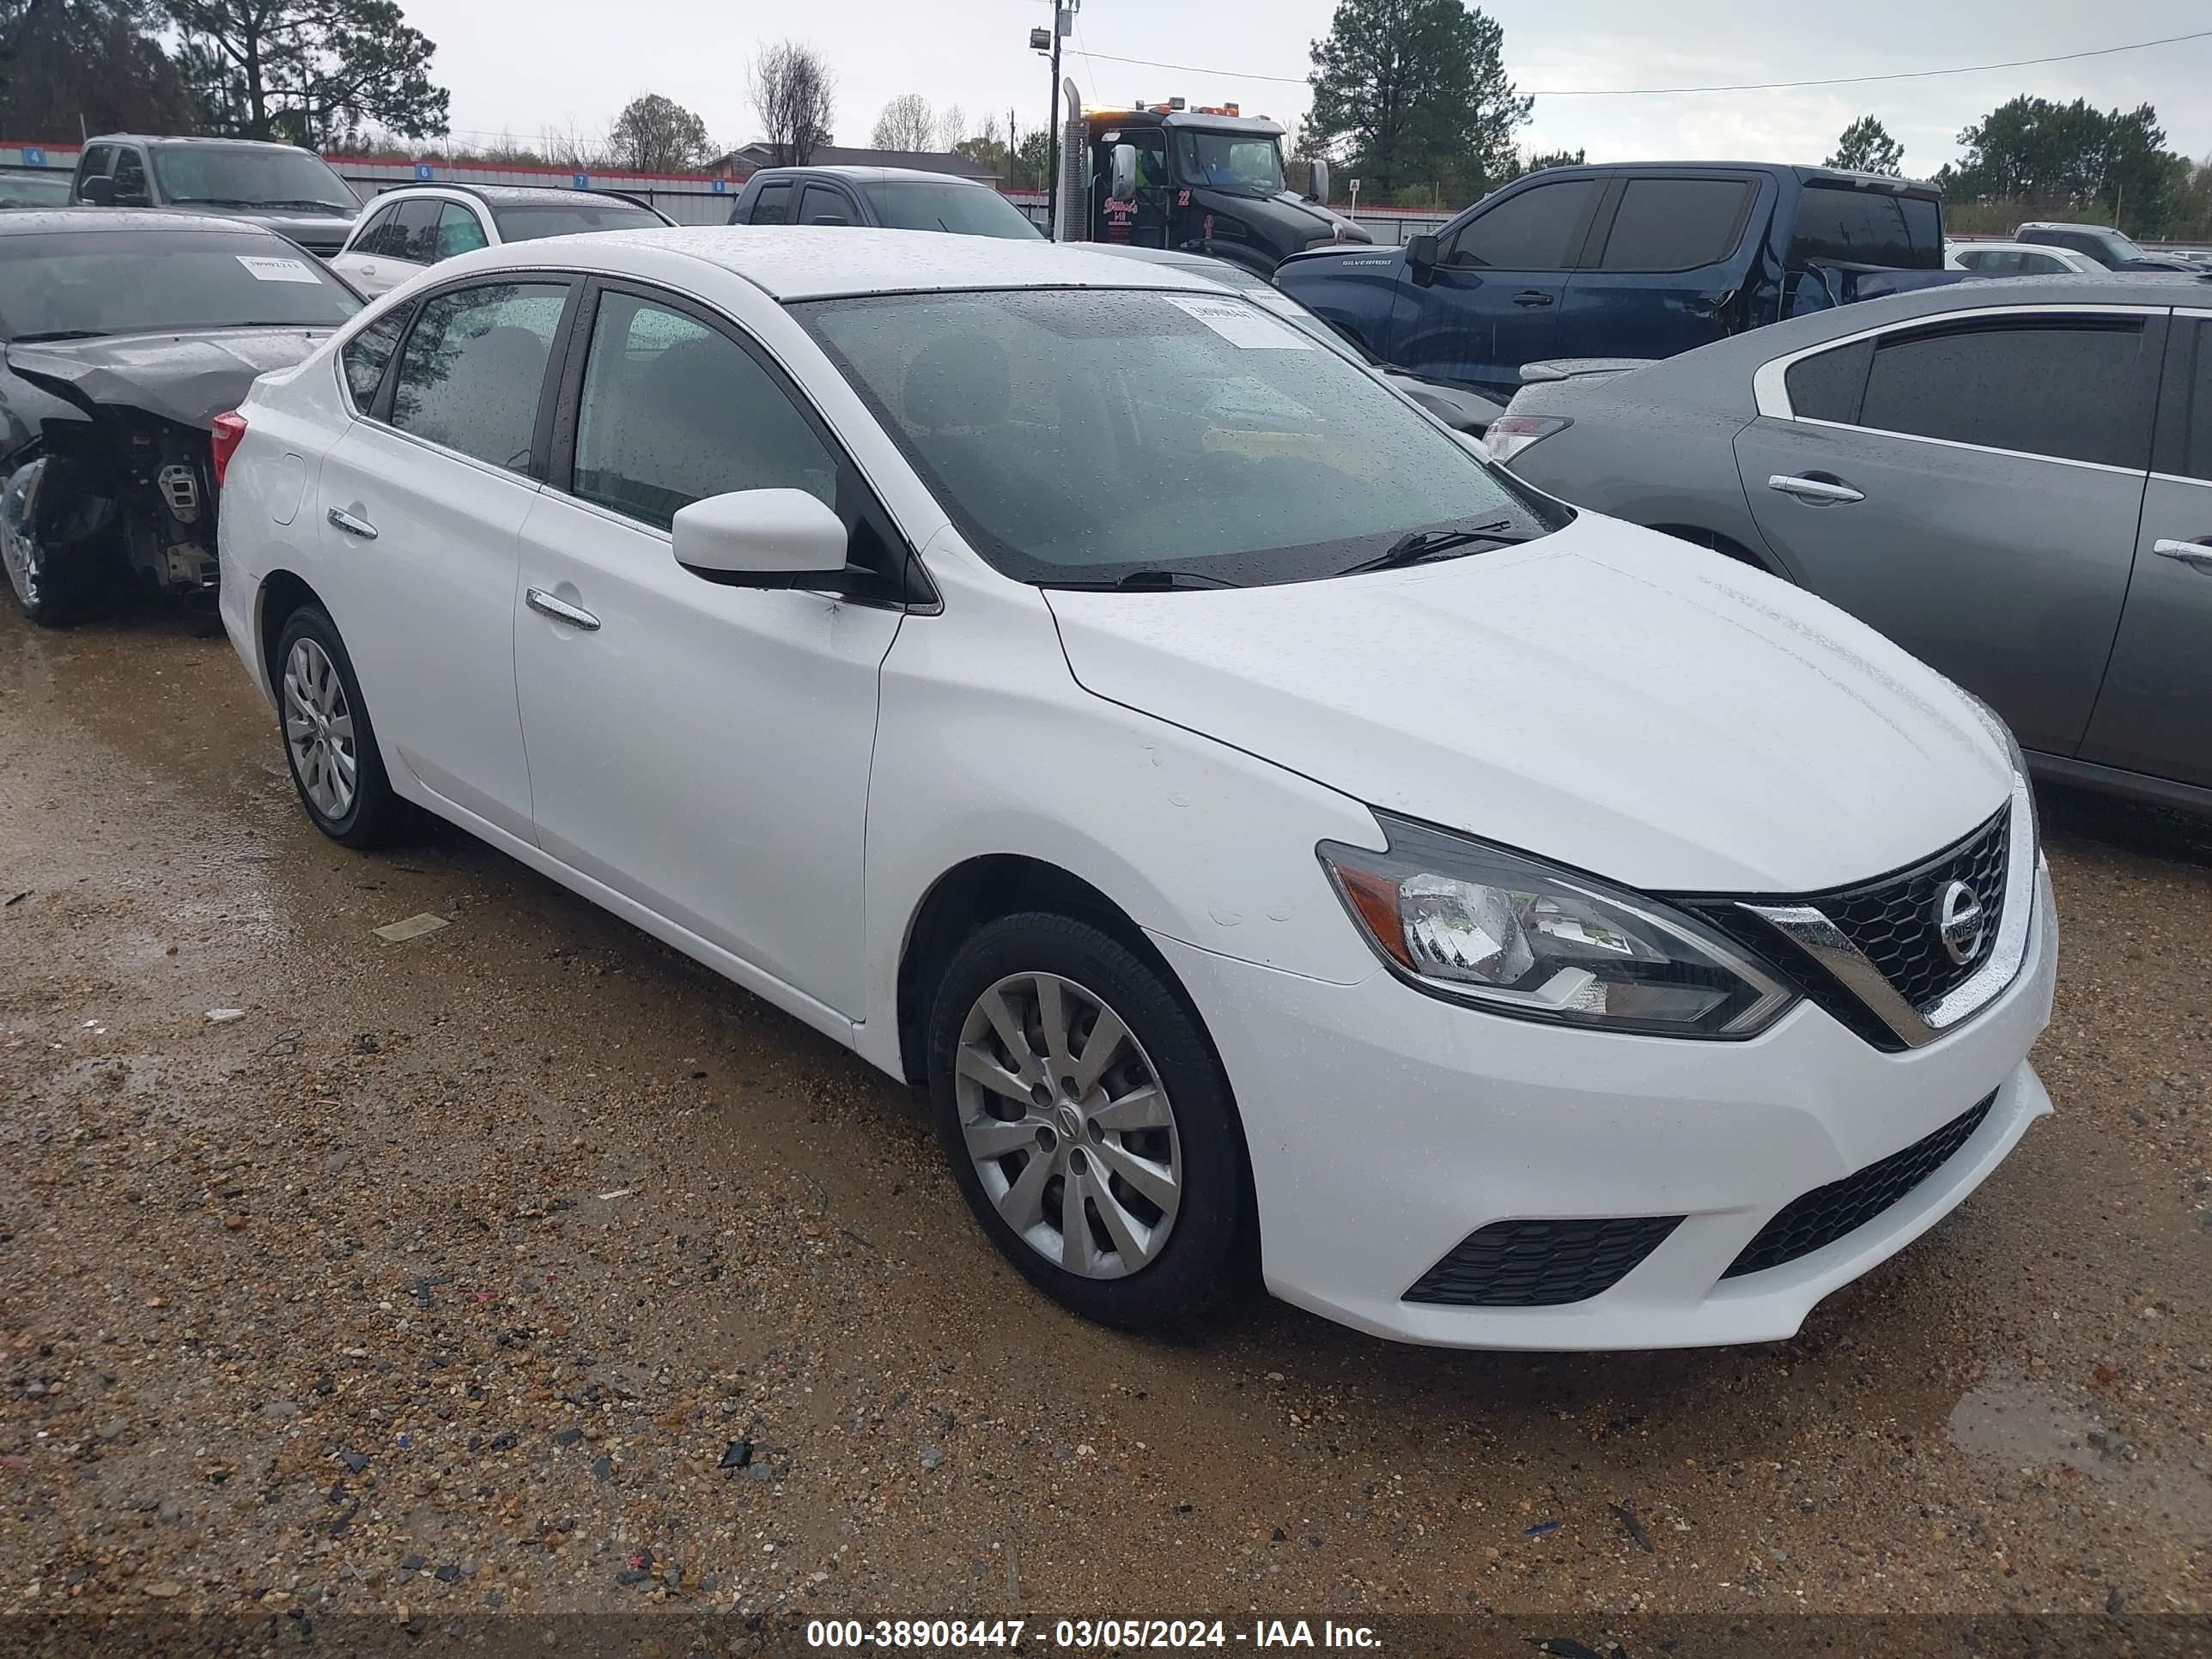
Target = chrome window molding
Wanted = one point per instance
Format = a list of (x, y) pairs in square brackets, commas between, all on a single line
[(1771, 395), (1971, 449), (1809, 928)]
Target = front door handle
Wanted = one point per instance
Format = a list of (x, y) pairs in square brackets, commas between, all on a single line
[(560, 609), (2196, 554), (1532, 296), (1813, 489), (352, 524)]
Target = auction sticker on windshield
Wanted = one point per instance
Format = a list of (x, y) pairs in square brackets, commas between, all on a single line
[(276, 270), (1243, 326)]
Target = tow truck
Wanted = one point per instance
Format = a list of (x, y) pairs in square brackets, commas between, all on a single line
[(1195, 180)]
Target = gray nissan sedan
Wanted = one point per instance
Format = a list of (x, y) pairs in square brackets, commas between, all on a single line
[(2013, 479)]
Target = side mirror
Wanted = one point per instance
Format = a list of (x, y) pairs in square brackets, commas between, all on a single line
[(1124, 169), (1421, 258), (1317, 182), (100, 193), (760, 538)]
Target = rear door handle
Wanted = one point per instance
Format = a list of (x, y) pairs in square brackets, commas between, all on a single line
[(1813, 489), (1532, 296), (560, 609), (2197, 555), (352, 524)]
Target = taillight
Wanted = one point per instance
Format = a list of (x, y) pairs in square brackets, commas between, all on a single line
[(1509, 434), (229, 430)]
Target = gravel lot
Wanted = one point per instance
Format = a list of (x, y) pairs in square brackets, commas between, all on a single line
[(524, 1265)]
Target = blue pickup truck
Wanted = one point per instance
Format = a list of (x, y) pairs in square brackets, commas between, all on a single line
[(1638, 260)]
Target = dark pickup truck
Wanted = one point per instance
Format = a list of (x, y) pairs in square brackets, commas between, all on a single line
[(1639, 260)]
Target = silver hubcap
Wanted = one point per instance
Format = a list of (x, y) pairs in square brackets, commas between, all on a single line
[(318, 729), (1068, 1125)]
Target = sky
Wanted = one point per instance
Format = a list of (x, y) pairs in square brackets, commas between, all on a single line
[(521, 67)]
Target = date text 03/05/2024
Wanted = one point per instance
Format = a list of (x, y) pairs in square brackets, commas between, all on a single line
[(1084, 1633)]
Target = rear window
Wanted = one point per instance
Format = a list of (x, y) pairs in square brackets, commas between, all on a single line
[(81, 283), (1867, 228), (528, 223), (963, 209), (1675, 224)]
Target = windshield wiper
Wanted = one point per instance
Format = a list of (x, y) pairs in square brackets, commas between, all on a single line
[(1148, 581), (1421, 544), (304, 202), (213, 200)]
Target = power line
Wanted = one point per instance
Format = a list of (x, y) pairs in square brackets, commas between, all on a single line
[(1748, 86)]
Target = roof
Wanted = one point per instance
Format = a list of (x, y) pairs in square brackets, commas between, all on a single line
[(28, 222), (1802, 173), (504, 195), (186, 138), (873, 175), (835, 156), (804, 262)]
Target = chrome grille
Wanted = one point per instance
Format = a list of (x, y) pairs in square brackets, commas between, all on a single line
[(1892, 920)]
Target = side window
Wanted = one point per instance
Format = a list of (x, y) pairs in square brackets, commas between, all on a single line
[(819, 202), (374, 235), (417, 239), (773, 205), (130, 177), (1675, 224), (365, 355), (2184, 438), (1538, 230), (672, 411), (2076, 387), (96, 163), (1828, 386), (459, 231), (473, 367), (2035, 264), (1866, 228)]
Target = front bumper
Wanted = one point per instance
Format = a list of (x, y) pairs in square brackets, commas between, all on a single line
[(1385, 1127)]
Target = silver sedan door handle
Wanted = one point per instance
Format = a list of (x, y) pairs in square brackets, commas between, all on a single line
[(352, 524), (2196, 554), (1813, 489), (560, 609)]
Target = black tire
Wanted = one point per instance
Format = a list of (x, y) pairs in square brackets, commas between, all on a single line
[(374, 814), (1207, 1253)]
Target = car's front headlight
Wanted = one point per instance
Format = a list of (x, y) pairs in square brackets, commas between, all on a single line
[(1499, 930)]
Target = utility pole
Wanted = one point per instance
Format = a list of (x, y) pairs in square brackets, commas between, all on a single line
[(1063, 21)]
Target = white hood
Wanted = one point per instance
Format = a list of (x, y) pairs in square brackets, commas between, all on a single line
[(1606, 697)]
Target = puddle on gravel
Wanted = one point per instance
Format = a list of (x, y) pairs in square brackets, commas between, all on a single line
[(2026, 1425)]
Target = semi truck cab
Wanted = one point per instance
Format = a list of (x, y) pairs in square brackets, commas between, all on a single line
[(1207, 180)]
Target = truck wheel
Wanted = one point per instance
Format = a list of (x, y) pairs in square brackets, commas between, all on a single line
[(54, 587), (329, 745), (1088, 1122)]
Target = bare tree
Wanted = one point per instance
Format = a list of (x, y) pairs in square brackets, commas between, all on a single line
[(655, 134), (571, 147), (905, 123), (952, 127), (792, 91)]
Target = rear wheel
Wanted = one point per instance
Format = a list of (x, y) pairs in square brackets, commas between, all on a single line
[(330, 746), (1088, 1122)]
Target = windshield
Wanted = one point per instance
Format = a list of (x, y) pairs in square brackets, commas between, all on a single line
[(78, 283), (226, 177), (1085, 436), (963, 209), (2118, 246), (527, 224), (1229, 160)]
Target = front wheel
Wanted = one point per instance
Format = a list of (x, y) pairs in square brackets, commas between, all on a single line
[(1088, 1122), (55, 586)]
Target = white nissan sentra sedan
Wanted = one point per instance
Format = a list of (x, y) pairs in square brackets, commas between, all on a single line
[(1266, 829)]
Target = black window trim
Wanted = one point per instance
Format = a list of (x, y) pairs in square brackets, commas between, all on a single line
[(829, 186), (380, 413), (557, 430), (1599, 231), (1771, 392), (1578, 240), (790, 186), (405, 314)]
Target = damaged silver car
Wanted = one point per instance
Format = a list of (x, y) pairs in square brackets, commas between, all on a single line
[(124, 335)]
